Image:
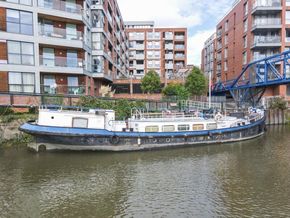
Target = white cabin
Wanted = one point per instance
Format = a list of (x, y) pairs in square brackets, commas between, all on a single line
[(92, 119)]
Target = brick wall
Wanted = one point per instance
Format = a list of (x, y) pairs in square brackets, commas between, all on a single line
[(4, 82), (3, 19), (3, 52)]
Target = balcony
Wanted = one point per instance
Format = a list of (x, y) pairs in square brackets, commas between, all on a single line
[(139, 66), (139, 56), (274, 23), (137, 37), (267, 41), (219, 33), (169, 56), (139, 46), (59, 36), (61, 64), (169, 66), (179, 56), (168, 46), (62, 89), (179, 37), (287, 39), (169, 37), (179, 47), (61, 8), (262, 6), (257, 57)]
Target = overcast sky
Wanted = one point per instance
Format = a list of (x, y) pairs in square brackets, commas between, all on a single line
[(200, 17)]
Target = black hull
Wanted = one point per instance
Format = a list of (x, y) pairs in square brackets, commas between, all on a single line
[(127, 142)]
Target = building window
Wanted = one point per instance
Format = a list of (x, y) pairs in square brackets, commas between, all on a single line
[(245, 58), (245, 40), (49, 84), (211, 126), (197, 127), (226, 53), (21, 82), (168, 128), (287, 17), (225, 66), (227, 25), (19, 22), (151, 129), (183, 127), (226, 39), (246, 25), (72, 59), (246, 9), (22, 2), (20, 53), (287, 2)]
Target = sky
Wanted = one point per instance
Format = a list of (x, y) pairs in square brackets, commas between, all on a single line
[(199, 16)]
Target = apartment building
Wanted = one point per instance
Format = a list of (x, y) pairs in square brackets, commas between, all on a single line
[(68, 47), (251, 30), (163, 50), (110, 45), (208, 56)]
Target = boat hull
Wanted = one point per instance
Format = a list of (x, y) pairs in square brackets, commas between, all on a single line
[(56, 138)]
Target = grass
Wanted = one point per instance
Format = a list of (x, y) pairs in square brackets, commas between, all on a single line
[(18, 141), (9, 118)]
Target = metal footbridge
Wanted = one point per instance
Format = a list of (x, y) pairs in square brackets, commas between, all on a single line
[(251, 84)]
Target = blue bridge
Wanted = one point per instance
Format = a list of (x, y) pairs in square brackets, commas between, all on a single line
[(251, 84)]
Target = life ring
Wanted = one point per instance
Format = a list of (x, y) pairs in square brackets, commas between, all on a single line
[(168, 140), (114, 139), (218, 117)]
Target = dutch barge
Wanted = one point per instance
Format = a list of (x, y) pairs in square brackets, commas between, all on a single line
[(59, 128)]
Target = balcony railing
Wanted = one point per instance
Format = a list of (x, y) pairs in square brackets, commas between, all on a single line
[(63, 89), (179, 37), (169, 46), (267, 3), (287, 39), (61, 62), (267, 40), (61, 6), (179, 46), (179, 56), (60, 33), (263, 56), (169, 36), (267, 22)]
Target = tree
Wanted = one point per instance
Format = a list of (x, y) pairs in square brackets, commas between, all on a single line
[(196, 82), (176, 90), (151, 82)]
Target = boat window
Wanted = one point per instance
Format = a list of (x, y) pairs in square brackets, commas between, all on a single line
[(183, 127), (210, 126), (80, 122), (168, 128), (151, 129), (197, 127)]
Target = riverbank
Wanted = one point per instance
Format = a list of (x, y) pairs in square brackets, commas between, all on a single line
[(10, 136)]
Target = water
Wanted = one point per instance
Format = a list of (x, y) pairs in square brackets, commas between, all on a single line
[(248, 179)]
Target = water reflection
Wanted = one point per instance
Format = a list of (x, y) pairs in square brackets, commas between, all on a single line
[(241, 179)]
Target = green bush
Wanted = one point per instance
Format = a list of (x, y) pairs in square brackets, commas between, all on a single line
[(122, 107), (176, 90), (278, 103), (8, 118), (5, 111)]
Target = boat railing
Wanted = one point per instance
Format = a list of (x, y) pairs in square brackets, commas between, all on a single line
[(163, 115)]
